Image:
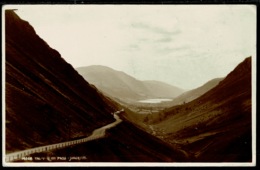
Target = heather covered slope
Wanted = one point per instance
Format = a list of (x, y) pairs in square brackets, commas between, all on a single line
[(122, 86), (47, 101), (215, 127)]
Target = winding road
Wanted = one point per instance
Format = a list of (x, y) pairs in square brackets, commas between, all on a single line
[(96, 134)]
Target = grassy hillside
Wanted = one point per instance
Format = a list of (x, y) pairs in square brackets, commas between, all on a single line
[(47, 101), (124, 143), (214, 127)]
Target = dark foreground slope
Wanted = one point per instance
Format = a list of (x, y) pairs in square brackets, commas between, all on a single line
[(123, 143), (216, 127), (47, 101)]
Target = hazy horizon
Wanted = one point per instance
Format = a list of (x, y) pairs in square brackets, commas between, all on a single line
[(150, 42)]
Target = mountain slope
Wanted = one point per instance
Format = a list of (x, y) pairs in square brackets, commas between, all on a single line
[(123, 143), (162, 90), (216, 127), (47, 101), (122, 86), (195, 93)]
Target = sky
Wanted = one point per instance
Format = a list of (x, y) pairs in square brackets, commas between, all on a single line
[(182, 45)]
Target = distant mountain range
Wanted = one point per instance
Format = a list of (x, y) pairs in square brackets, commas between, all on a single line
[(195, 93), (124, 87)]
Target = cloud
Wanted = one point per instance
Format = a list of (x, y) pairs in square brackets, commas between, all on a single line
[(177, 50), (156, 39), (165, 39), (132, 47), (155, 29)]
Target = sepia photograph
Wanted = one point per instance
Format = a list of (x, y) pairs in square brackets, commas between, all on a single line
[(129, 85)]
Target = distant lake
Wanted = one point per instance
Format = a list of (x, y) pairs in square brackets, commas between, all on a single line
[(154, 100)]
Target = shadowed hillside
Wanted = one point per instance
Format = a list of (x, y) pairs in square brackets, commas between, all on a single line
[(215, 127), (124, 143), (47, 101), (119, 85)]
